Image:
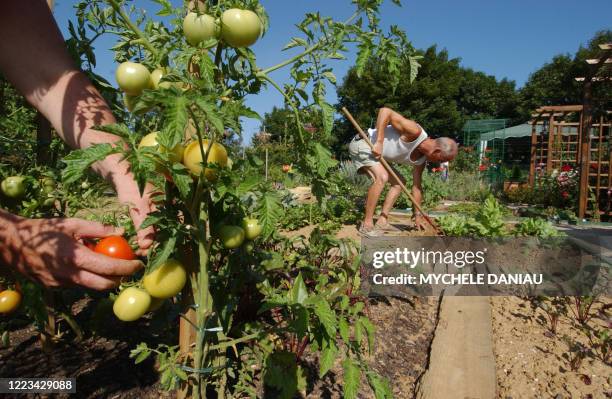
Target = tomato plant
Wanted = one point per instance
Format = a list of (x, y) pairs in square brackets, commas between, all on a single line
[(115, 247), (249, 311)]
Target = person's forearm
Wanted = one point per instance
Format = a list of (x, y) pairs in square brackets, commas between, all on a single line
[(417, 196), (7, 231), (384, 117), (33, 57)]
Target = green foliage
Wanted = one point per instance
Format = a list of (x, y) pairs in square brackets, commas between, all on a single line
[(433, 188), (467, 160), (488, 222), (535, 228), (466, 186), (554, 83)]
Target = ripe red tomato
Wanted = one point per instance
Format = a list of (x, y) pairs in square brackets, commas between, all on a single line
[(116, 247)]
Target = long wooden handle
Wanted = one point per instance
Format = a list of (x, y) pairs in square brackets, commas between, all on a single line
[(391, 171)]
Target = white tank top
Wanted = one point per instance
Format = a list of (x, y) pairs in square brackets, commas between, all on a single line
[(397, 150)]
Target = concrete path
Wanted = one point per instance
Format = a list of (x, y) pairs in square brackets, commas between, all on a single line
[(462, 364)]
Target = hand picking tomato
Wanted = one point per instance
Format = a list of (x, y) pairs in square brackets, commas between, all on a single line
[(167, 280), (9, 301), (116, 247), (131, 304)]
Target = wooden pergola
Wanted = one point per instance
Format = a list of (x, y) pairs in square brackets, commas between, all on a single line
[(570, 136)]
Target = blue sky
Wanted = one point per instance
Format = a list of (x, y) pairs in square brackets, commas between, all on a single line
[(507, 39)]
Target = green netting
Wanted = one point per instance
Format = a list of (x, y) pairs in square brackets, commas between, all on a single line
[(493, 155)]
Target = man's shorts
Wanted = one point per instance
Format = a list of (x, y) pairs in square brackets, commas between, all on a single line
[(361, 153)]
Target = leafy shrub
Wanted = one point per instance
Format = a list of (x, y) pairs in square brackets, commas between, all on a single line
[(467, 160), (434, 189), (488, 222), (535, 228), (466, 186)]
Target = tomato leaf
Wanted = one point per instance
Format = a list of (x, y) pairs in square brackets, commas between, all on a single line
[(352, 375), (328, 357), (298, 292), (326, 316), (269, 211), (78, 161)]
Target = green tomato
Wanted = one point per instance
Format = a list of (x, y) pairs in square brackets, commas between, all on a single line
[(167, 280), (133, 78), (249, 247), (252, 228), (240, 28), (131, 304), (48, 185), (156, 76), (199, 28), (231, 236), (150, 140), (13, 187)]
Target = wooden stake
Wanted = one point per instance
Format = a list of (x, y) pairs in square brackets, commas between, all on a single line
[(389, 169)]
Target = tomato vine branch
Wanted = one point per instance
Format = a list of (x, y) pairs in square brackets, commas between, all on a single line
[(134, 28)]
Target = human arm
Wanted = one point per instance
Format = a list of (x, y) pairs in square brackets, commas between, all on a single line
[(417, 195), (49, 251), (386, 117), (33, 57)]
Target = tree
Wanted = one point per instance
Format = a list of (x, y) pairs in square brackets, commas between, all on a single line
[(554, 83), (442, 98)]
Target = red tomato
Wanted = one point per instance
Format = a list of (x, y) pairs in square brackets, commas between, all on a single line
[(115, 247)]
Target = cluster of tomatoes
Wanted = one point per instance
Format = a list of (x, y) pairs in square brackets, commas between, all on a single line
[(166, 281), (237, 28), (16, 187), (169, 278)]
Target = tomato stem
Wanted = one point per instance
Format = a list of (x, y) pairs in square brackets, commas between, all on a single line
[(134, 28), (289, 101)]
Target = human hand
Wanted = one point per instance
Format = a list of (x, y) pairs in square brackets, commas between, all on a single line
[(50, 251), (140, 207), (420, 223), (377, 149)]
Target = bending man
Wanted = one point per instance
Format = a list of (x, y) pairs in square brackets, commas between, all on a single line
[(398, 140)]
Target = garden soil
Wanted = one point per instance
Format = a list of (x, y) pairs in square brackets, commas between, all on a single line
[(532, 363)]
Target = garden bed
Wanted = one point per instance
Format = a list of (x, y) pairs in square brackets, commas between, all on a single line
[(532, 362)]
